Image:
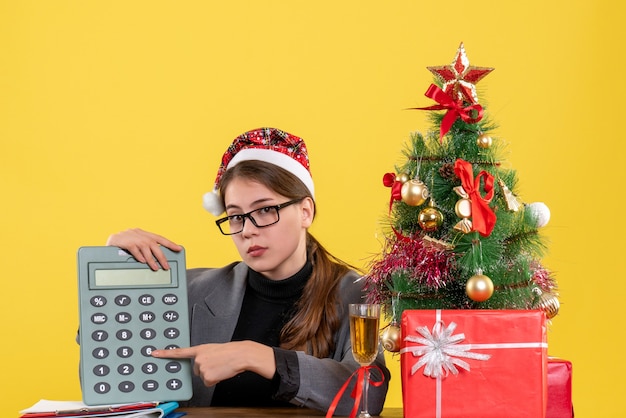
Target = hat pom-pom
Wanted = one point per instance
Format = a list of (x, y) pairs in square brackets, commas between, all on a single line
[(212, 203)]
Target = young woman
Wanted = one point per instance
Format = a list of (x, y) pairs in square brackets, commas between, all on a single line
[(272, 329)]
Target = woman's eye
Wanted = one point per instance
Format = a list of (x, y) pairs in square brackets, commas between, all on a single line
[(235, 218)]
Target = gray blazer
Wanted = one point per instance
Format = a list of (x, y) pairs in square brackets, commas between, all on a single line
[(215, 298)]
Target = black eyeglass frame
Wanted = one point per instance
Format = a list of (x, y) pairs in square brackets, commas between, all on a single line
[(248, 215)]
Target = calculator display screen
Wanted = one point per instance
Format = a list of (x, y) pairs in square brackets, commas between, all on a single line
[(132, 277)]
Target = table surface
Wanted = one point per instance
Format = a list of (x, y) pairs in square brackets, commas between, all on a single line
[(220, 412)]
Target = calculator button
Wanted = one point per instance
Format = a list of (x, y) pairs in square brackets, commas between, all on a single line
[(150, 385), (174, 384), (171, 347), (149, 368), (147, 350), (122, 300), (146, 300), (98, 318), (124, 335), (101, 387), (100, 352), (101, 370), (98, 301), (124, 352), (173, 367), (170, 316), (125, 369), (171, 333), (123, 317), (126, 387), (170, 299), (147, 317), (99, 335), (147, 334)]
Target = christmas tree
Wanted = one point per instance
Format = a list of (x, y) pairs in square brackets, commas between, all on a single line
[(457, 236)]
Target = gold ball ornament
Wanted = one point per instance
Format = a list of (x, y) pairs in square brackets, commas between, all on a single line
[(550, 304), (402, 177), (391, 338), (414, 192), (479, 288), (484, 141), (430, 219)]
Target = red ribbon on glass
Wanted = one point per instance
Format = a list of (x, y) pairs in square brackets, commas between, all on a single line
[(455, 109), (483, 218), (389, 180), (357, 391)]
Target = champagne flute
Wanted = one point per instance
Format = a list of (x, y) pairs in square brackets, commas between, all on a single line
[(364, 331)]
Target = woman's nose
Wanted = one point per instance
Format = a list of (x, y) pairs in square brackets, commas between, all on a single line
[(249, 228)]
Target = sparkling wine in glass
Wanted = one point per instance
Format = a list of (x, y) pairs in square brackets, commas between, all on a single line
[(364, 331)]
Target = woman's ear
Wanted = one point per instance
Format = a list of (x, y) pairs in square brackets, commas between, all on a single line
[(308, 211)]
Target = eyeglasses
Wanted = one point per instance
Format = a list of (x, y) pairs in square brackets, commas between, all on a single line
[(266, 216)]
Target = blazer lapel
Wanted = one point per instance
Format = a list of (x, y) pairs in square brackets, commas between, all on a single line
[(216, 318)]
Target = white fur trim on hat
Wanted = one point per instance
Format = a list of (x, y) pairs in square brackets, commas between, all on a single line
[(212, 201), (276, 158)]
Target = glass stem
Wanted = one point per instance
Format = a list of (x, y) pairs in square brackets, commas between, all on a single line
[(366, 381)]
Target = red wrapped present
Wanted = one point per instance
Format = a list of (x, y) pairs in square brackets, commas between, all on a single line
[(559, 389), (474, 363)]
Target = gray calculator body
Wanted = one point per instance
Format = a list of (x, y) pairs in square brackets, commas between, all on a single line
[(126, 311)]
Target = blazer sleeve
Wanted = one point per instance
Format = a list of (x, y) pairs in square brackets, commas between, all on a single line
[(321, 379)]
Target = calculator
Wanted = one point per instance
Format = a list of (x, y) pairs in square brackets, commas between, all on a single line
[(126, 311)]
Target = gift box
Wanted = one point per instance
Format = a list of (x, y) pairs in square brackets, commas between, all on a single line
[(559, 389), (474, 363)]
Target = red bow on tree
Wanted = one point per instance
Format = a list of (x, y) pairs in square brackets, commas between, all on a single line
[(469, 114), (389, 180), (483, 218)]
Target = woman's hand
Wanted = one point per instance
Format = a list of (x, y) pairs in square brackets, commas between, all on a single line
[(144, 246), (216, 362)]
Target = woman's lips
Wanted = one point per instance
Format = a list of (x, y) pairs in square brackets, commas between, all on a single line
[(256, 251)]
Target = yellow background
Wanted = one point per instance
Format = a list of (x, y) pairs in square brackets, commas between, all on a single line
[(114, 114)]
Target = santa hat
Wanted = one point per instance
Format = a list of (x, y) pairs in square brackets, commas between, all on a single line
[(265, 144)]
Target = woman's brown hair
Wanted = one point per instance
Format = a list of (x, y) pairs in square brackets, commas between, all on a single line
[(316, 319)]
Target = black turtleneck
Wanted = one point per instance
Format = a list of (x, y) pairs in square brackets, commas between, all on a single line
[(267, 306)]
